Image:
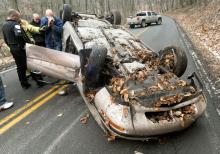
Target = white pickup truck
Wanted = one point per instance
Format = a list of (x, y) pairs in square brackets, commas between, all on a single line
[(144, 17)]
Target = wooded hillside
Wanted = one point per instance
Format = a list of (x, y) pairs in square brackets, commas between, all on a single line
[(100, 7)]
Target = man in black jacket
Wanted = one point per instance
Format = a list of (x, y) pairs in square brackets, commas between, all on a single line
[(13, 37), (38, 37)]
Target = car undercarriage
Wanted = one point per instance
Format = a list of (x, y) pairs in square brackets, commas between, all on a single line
[(132, 91)]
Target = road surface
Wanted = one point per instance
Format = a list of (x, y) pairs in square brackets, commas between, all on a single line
[(43, 122)]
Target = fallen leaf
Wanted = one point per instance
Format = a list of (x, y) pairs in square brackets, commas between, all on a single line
[(112, 99), (110, 137), (124, 91), (126, 98), (60, 115), (84, 119), (27, 123), (125, 112), (90, 96)]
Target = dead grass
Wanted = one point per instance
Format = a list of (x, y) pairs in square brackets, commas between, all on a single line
[(202, 24)]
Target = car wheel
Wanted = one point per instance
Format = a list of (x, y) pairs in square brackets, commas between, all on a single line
[(115, 17), (177, 60), (66, 13), (95, 66), (143, 23), (148, 24), (132, 26), (159, 21)]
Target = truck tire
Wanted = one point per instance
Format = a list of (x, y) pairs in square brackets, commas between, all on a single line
[(180, 59), (143, 23), (115, 17), (66, 13), (132, 26), (95, 66), (159, 21)]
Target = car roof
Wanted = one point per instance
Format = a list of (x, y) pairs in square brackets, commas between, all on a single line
[(144, 11)]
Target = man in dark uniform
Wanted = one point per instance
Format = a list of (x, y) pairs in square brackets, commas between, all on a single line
[(39, 38), (13, 37)]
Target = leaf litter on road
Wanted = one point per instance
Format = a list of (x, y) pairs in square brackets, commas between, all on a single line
[(84, 118)]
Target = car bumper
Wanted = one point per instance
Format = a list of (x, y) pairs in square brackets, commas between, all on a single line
[(134, 123), (134, 23)]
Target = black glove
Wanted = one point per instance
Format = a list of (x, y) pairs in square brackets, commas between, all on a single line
[(43, 28)]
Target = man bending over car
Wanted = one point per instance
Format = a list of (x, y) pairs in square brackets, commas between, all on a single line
[(53, 33)]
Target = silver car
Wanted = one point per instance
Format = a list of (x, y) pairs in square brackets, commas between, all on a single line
[(131, 91)]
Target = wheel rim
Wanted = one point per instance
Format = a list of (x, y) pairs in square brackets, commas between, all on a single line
[(143, 24), (159, 21)]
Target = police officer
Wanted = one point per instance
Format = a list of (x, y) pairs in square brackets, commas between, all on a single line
[(13, 36)]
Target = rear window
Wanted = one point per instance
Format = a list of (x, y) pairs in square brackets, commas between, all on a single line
[(141, 14)]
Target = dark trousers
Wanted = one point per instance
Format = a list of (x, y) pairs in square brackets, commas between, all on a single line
[(42, 44), (2, 92), (19, 56)]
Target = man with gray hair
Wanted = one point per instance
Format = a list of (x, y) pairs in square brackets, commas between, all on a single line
[(38, 37), (53, 34)]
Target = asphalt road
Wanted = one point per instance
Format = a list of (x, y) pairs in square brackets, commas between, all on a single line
[(51, 123)]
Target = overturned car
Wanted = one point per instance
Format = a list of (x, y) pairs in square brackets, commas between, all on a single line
[(131, 91)]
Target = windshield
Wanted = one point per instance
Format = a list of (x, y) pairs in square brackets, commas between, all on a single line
[(141, 14)]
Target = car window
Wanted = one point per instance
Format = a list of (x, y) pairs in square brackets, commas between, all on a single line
[(153, 13), (149, 14), (141, 14)]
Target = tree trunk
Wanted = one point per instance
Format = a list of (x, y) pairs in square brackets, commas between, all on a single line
[(14, 4), (86, 5)]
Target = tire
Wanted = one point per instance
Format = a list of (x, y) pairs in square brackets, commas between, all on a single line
[(132, 26), (115, 17), (143, 23), (95, 66), (159, 21), (66, 13), (148, 24), (180, 59), (70, 47)]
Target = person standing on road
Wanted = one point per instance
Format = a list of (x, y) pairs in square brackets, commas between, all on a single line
[(3, 103), (53, 34), (12, 33), (38, 37), (28, 34)]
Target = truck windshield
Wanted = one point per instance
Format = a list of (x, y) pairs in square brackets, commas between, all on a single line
[(141, 14)]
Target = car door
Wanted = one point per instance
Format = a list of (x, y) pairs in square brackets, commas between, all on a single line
[(57, 64), (154, 17), (149, 17)]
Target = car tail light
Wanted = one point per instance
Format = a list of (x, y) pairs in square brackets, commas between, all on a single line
[(138, 18)]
